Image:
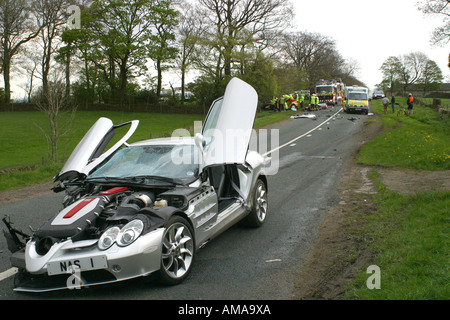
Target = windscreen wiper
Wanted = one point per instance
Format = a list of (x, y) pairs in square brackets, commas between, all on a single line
[(136, 179), (171, 181)]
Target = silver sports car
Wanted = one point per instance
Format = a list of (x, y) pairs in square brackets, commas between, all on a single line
[(146, 207)]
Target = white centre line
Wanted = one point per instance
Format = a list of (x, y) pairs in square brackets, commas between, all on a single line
[(301, 136)]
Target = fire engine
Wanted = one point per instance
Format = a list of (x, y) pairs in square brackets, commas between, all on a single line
[(330, 91)]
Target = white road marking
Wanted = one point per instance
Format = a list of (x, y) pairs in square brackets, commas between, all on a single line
[(301, 136), (274, 260), (8, 273)]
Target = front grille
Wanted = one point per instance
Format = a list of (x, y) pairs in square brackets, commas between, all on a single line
[(44, 282)]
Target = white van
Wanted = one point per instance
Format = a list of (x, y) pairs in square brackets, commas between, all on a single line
[(356, 99)]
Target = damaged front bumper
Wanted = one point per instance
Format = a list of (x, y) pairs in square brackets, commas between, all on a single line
[(73, 265)]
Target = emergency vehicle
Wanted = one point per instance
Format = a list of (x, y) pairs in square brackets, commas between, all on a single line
[(330, 92), (356, 99)]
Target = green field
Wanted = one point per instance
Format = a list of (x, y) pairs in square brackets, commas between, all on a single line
[(23, 142)]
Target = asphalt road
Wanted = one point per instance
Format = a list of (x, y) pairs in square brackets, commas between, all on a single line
[(241, 263)]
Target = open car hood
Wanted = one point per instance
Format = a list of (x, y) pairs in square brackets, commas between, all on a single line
[(89, 151), (228, 126)]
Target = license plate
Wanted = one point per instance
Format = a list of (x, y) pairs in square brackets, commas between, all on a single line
[(74, 265)]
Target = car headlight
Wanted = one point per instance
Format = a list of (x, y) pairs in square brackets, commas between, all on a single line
[(130, 232), (108, 238), (123, 237)]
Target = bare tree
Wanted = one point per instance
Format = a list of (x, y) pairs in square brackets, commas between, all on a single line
[(412, 66), (29, 62), (16, 28), (439, 8), (409, 69), (53, 102)]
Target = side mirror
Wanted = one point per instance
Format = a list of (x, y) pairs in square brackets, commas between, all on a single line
[(199, 141)]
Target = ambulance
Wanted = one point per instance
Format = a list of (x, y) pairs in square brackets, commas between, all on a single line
[(356, 99)]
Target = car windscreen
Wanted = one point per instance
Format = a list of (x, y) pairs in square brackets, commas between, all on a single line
[(326, 89), (357, 96), (176, 162)]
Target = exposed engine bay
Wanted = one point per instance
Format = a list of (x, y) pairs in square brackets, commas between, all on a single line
[(90, 215)]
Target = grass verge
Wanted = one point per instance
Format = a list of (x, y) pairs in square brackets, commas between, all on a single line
[(408, 235), (420, 141), (409, 242)]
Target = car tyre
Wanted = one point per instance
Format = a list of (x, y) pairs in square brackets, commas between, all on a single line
[(258, 213), (178, 250)]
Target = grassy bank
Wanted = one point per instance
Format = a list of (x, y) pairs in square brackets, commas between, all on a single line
[(24, 149), (407, 236), (419, 141)]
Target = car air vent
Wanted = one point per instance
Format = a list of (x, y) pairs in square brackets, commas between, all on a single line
[(43, 245), (180, 197), (177, 202)]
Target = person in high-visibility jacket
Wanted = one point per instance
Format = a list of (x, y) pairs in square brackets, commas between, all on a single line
[(314, 101), (273, 103), (301, 99), (410, 102), (286, 99), (281, 103)]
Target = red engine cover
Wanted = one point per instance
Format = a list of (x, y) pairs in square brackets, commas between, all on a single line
[(113, 191)]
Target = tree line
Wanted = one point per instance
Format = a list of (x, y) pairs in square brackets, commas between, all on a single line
[(108, 51), (415, 68)]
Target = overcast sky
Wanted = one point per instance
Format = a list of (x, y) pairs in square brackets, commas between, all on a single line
[(371, 31)]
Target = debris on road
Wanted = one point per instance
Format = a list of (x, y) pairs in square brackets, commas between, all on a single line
[(308, 116), (274, 260)]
